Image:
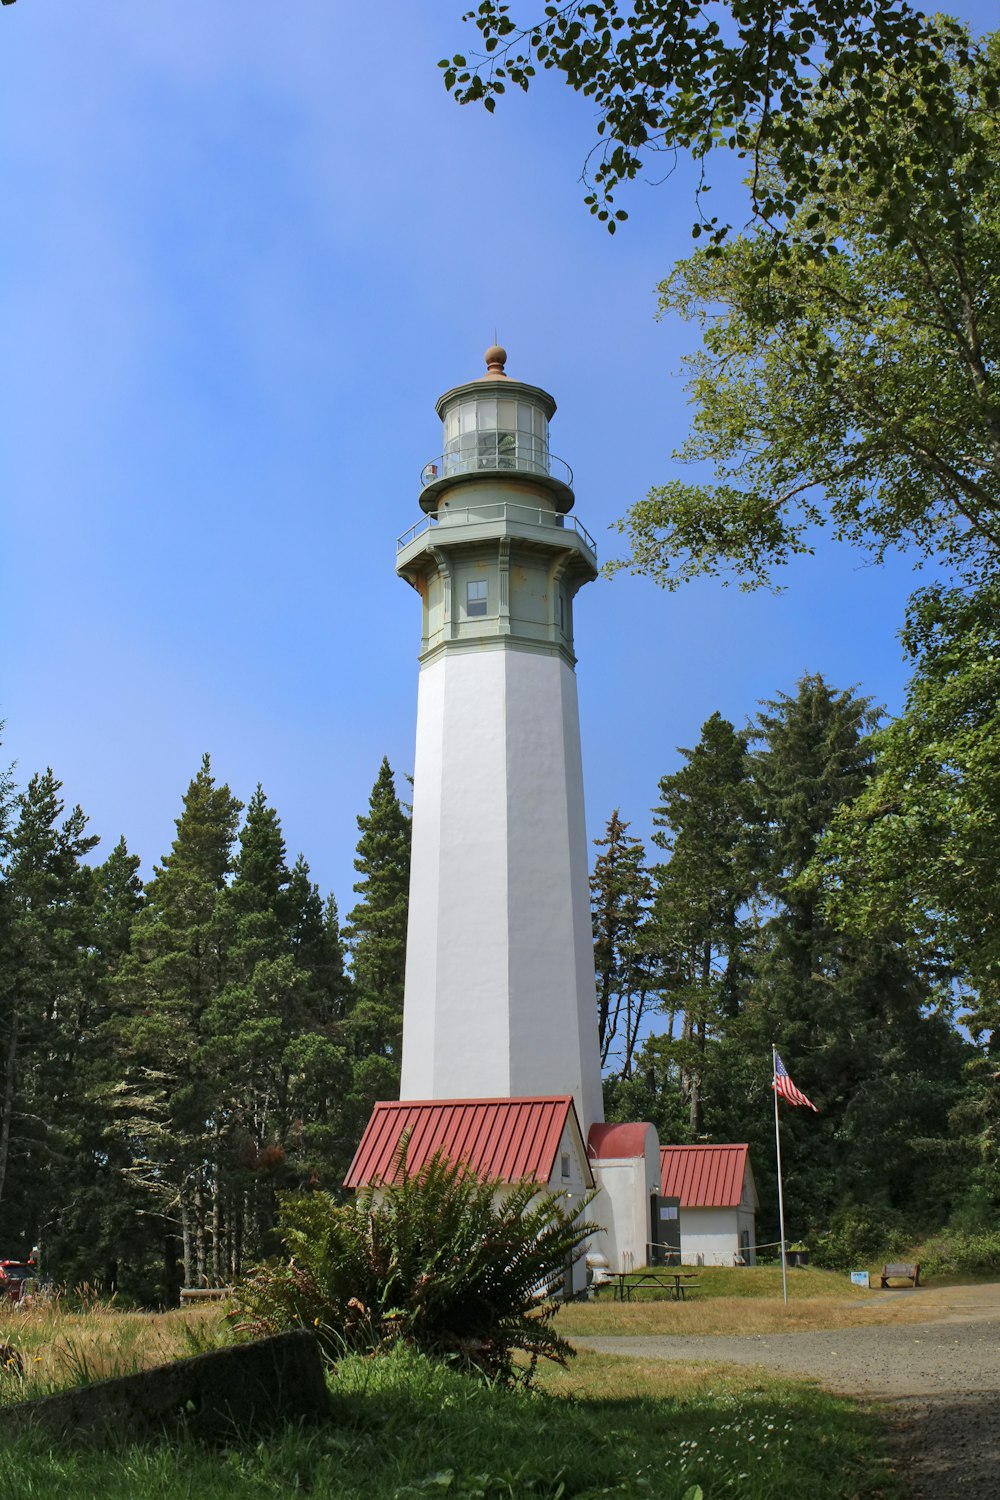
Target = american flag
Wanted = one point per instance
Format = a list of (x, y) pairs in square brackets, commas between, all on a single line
[(784, 1086)]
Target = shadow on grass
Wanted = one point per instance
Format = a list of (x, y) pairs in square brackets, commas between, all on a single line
[(404, 1428)]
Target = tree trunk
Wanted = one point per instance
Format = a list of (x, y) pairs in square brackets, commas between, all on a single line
[(217, 1216), (170, 1288), (694, 1103), (216, 1235), (10, 1063), (186, 1240), (236, 1209), (199, 1243)]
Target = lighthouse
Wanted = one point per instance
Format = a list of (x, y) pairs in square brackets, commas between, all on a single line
[(499, 995), (500, 1064)]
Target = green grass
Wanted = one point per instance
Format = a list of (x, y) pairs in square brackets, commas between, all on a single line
[(808, 1283), (405, 1428)]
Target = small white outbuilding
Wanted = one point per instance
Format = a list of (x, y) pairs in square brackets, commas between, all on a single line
[(718, 1202)]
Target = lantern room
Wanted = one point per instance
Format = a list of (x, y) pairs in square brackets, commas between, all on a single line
[(495, 425)]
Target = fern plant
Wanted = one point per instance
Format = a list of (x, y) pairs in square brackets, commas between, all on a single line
[(457, 1266)]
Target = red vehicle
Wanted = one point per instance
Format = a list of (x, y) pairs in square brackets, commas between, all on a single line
[(13, 1276)]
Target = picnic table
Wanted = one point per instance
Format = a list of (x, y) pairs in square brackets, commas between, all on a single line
[(676, 1283)]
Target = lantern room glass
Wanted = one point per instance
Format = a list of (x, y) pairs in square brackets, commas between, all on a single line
[(495, 432)]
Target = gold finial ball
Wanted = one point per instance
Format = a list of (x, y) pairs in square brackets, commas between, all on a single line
[(496, 358)]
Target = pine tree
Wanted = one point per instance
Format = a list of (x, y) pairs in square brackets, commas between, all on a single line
[(376, 937), (173, 974), (100, 1236), (47, 1003), (268, 1039), (851, 1015), (621, 890), (9, 1009), (317, 942), (703, 821), (376, 930)]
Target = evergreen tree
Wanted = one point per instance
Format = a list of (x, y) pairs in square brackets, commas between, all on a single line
[(243, 1039), (327, 1119), (376, 937), (317, 942), (703, 821), (101, 1236), (849, 1011), (118, 899), (268, 1040), (621, 890), (376, 930), (9, 1009), (46, 1004), (174, 972)]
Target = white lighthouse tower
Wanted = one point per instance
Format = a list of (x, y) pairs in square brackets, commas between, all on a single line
[(500, 961), (501, 1066)]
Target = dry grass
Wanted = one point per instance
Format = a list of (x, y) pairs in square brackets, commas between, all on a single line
[(61, 1346)]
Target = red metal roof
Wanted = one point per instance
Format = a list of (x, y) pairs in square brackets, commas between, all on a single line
[(703, 1176), (608, 1142), (511, 1139)]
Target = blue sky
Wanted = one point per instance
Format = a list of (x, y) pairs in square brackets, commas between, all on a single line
[(244, 249)]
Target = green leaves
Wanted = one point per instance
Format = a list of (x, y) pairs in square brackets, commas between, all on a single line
[(855, 389), (441, 1260), (922, 846), (793, 85)]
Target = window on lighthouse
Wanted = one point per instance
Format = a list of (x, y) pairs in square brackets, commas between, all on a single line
[(475, 596)]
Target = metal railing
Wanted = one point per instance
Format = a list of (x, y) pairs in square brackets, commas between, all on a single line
[(494, 454), (500, 510)]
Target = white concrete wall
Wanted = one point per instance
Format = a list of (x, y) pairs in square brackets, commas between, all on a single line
[(622, 1211), (710, 1232), (622, 1206), (499, 966)]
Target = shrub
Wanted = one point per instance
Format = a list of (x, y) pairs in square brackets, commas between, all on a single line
[(455, 1266), (861, 1237), (953, 1253)]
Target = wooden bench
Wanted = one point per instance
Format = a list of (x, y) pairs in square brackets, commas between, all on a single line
[(191, 1294), (906, 1270)]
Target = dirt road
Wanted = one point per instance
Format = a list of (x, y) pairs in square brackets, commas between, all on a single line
[(940, 1376)]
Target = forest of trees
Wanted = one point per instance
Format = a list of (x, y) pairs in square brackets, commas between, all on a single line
[(738, 940), (174, 1054)]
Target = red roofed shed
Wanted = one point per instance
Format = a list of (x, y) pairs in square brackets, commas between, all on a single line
[(537, 1139), (718, 1201)]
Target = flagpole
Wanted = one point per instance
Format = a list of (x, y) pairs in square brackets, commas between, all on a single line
[(777, 1152)]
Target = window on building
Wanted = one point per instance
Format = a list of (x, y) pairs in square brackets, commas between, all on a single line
[(564, 1165), (475, 596)]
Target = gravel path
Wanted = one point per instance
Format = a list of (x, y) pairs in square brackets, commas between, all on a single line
[(940, 1377)]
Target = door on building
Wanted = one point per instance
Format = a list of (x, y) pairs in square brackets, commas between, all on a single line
[(665, 1230)]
